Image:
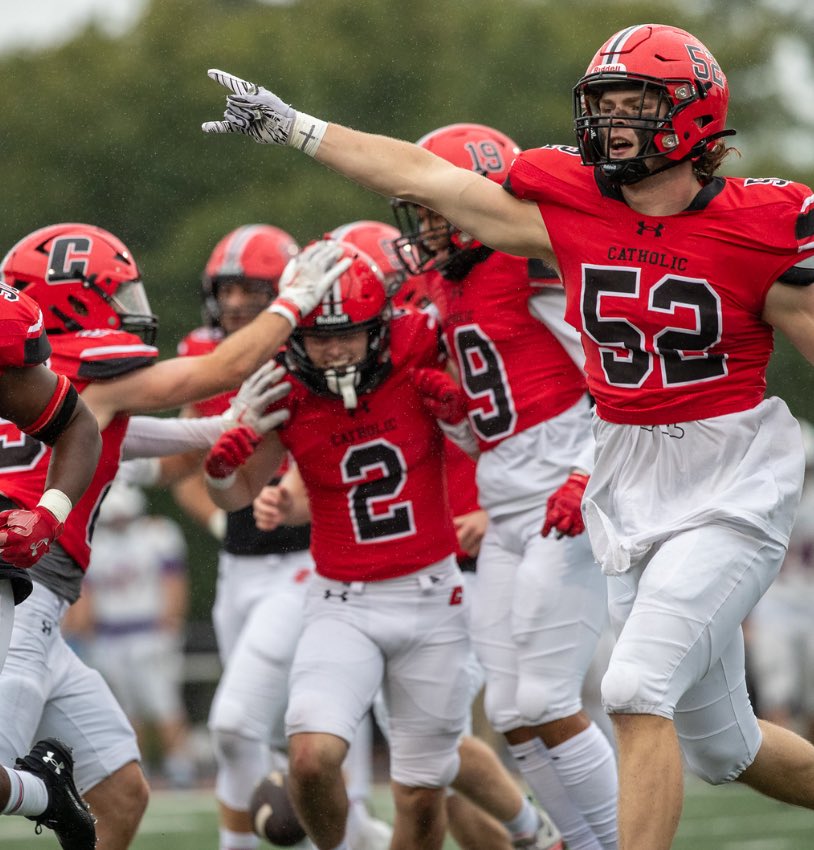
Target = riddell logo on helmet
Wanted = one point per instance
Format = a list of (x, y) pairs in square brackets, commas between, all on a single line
[(341, 319), (608, 69)]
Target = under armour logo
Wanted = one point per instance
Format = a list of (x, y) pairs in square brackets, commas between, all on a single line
[(46, 627), (655, 229), (57, 766), (343, 596)]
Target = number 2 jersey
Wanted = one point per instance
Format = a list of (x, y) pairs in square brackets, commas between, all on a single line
[(670, 307), (83, 357), (375, 474)]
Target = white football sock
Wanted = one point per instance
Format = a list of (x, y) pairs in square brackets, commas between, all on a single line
[(541, 776), (28, 795), (587, 768)]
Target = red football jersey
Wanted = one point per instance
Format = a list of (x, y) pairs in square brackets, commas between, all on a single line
[(194, 344), (375, 474), (669, 307), (514, 371), (23, 341), (461, 485), (83, 357)]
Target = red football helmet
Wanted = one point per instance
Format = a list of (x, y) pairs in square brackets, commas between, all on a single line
[(83, 278), (434, 242), (682, 104), (375, 238), (253, 255), (357, 301)]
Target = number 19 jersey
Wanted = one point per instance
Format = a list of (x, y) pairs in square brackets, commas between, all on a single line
[(669, 307)]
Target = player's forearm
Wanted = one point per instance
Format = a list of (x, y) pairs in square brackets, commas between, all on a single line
[(74, 455), (391, 167)]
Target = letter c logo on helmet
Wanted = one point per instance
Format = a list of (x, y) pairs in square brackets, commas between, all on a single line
[(83, 278)]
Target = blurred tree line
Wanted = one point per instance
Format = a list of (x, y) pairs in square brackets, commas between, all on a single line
[(107, 131)]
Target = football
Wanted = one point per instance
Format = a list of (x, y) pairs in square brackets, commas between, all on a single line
[(273, 815)]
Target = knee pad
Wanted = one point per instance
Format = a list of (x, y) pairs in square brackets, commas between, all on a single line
[(623, 689), (242, 763), (500, 707), (544, 701), (429, 761)]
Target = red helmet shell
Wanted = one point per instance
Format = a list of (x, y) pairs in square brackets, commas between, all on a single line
[(356, 298), (475, 147), (374, 238), (82, 277), (678, 63), (253, 252)]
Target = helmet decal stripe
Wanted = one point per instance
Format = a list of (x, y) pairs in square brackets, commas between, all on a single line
[(233, 258), (617, 44)]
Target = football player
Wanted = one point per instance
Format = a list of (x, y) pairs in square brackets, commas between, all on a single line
[(513, 820), (386, 607), (676, 278), (262, 576), (44, 407), (539, 603), (88, 286)]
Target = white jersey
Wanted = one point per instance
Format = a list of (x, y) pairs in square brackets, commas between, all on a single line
[(127, 566)]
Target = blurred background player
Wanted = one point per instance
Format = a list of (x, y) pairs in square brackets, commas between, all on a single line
[(539, 602), (779, 630), (262, 576), (131, 618), (89, 289), (45, 407)]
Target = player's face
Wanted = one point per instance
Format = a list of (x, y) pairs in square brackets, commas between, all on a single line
[(626, 136), (336, 350), (240, 301), (433, 230)]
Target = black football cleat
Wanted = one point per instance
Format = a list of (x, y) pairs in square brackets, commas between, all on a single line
[(67, 813)]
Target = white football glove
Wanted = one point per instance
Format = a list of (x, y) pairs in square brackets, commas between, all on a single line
[(258, 113), (307, 278), (249, 407)]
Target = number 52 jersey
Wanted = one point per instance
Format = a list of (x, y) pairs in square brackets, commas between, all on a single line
[(670, 307)]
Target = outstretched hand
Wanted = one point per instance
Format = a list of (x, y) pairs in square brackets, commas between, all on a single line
[(252, 110)]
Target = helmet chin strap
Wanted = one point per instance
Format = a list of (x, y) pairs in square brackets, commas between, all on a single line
[(344, 384)]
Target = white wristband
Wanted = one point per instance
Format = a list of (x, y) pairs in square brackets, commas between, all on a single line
[(306, 133), (285, 309), (217, 524), (57, 503), (221, 483)]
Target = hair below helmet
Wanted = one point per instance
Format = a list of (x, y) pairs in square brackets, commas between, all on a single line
[(682, 99), (424, 245), (83, 278), (357, 301), (254, 255)]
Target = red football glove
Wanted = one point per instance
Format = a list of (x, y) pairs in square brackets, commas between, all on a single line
[(232, 450), (563, 509), (441, 396), (25, 536)]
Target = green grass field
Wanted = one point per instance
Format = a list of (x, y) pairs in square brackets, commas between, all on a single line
[(731, 818)]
